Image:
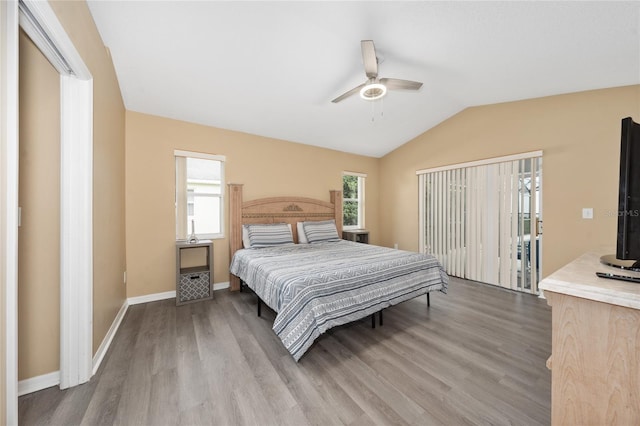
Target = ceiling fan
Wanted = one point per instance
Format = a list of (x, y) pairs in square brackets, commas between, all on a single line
[(375, 88)]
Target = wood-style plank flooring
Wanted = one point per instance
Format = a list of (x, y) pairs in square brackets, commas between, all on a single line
[(476, 356)]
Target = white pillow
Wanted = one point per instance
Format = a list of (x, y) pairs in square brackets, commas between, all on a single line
[(302, 237), (245, 237)]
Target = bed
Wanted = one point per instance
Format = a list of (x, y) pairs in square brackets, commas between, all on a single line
[(329, 282)]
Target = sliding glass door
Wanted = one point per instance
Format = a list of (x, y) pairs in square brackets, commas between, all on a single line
[(483, 220)]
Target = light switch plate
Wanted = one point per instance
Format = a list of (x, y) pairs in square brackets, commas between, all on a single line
[(587, 213)]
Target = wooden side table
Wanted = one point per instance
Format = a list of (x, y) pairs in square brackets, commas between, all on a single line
[(356, 235)]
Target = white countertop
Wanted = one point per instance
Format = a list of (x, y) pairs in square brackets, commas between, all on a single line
[(579, 279)]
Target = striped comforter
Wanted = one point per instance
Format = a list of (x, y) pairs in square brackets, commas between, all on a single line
[(314, 287)]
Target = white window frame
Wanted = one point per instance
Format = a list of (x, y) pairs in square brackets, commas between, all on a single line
[(204, 156), (361, 198)]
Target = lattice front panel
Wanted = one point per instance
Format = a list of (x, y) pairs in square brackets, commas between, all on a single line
[(194, 286)]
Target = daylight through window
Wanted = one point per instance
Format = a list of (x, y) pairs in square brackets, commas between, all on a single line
[(199, 194), (353, 200)]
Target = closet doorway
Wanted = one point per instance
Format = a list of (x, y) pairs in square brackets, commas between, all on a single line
[(41, 24), (39, 198), (483, 220)]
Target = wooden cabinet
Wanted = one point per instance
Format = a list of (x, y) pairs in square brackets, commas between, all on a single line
[(194, 271), (595, 356), (356, 235)]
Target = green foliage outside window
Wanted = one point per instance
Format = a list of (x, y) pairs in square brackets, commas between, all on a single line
[(350, 187), (350, 203), (350, 209)]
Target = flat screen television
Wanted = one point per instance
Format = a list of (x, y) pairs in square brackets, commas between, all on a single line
[(628, 240)]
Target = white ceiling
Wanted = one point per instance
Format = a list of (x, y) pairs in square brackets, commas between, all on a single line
[(272, 68)]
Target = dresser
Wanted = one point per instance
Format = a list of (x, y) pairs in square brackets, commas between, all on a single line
[(595, 355)]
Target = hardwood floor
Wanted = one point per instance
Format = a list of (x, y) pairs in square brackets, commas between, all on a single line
[(476, 356)]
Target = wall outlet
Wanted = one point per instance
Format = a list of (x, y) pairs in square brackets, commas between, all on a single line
[(395, 246), (587, 213)]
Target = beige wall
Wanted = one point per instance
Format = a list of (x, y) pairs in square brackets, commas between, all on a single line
[(266, 167), (580, 136), (39, 198), (39, 236), (108, 166)]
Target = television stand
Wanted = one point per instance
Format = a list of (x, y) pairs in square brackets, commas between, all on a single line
[(594, 345), (612, 260)]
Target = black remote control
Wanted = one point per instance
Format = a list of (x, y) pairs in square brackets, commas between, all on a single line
[(618, 277)]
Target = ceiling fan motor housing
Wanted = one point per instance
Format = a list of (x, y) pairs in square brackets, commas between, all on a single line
[(373, 90)]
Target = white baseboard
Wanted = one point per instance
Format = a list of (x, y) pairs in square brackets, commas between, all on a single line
[(220, 286), (151, 297), (106, 342), (154, 297), (44, 381), (37, 383)]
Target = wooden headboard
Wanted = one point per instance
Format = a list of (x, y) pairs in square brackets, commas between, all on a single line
[(276, 210)]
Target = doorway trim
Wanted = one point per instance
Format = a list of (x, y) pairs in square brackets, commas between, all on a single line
[(41, 24), (9, 204), (76, 327)]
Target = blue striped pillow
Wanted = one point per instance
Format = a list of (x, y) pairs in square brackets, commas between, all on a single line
[(321, 231), (269, 234)]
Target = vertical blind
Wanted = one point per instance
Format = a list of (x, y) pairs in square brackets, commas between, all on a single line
[(480, 219)]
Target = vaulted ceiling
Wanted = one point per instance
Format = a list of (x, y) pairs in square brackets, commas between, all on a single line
[(272, 68)]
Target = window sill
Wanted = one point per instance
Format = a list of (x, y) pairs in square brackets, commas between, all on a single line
[(203, 237)]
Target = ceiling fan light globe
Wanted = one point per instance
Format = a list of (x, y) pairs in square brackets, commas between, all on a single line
[(373, 91)]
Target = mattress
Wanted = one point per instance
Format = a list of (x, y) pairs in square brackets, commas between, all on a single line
[(314, 287)]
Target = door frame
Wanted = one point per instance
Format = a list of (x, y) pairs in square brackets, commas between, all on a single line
[(41, 23), (9, 204)]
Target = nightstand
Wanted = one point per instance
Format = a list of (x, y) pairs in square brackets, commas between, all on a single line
[(194, 271), (356, 235)]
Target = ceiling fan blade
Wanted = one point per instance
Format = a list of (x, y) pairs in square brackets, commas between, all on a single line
[(369, 58), (347, 94), (395, 84)]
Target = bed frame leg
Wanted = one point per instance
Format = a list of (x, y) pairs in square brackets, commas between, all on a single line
[(381, 317), (428, 300), (259, 306), (373, 320)]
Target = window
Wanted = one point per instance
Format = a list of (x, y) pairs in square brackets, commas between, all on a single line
[(353, 200), (199, 195)]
